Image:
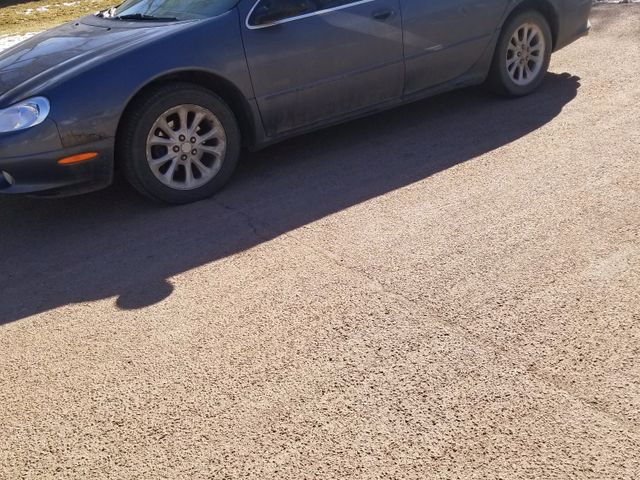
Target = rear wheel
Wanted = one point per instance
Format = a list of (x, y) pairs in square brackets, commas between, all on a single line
[(179, 143), (522, 55)]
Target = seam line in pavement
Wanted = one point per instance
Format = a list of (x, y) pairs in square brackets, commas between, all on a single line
[(482, 342), (457, 329)]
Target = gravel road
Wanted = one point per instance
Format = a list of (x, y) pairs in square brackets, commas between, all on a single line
[(446, 290)]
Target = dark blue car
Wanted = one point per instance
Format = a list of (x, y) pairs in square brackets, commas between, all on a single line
[(169, 91)]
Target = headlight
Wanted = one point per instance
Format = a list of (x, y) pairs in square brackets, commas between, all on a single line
[(25, 114)]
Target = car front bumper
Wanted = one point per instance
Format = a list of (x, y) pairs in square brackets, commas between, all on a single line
[(29, 163)]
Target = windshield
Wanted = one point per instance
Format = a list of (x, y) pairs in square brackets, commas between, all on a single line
[(169, 10)]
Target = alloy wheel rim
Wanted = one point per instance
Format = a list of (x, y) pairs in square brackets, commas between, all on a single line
[(186, 147), (525, 54)]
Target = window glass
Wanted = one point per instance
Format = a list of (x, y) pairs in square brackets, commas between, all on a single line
[(272, 11), (171, 9), (326, 4)]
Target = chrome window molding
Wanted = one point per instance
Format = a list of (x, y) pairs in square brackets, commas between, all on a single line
[(299, 17)]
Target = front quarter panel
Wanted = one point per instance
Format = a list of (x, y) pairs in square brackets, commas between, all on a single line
[(88, 105)]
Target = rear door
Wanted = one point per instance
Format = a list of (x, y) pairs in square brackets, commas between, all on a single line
[(445, 38), (312, 61)]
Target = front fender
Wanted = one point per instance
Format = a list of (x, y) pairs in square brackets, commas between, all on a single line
[(88, 106)]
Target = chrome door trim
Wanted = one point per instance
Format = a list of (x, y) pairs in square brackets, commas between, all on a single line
[(299, 17)]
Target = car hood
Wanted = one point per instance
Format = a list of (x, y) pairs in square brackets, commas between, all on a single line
[(47, 57)]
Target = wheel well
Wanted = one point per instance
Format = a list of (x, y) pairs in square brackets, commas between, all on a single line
[(218, 85), (546, 9)]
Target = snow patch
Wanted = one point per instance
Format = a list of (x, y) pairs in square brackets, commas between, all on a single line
[(7, 41), (47, 8)]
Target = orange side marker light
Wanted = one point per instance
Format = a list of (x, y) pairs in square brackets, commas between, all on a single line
[(81, 157)]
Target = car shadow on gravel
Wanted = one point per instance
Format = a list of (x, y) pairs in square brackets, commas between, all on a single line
[(114, 243)]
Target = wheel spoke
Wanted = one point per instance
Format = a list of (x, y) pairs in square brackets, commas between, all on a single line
[(201, 166), (188, 176), (213, 133), (157, 163), (183, 113), (168, 175), (217, 150), (197, 120), (166, 142), (531, 35), (166, 129), (528, 70)]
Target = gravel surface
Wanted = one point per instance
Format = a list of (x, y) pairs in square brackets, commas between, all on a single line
[(446, 290)]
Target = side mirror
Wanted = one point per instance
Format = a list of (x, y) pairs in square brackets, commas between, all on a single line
[(272, 11)]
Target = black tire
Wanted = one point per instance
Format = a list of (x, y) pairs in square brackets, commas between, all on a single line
[(499, 79), (141, 116)]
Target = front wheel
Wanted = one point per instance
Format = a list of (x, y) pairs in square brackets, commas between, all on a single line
[(522, 55), (179, 143)]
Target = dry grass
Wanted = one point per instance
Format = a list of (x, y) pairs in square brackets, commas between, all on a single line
[(18, 17)]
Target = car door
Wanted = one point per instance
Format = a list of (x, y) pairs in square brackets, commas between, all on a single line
[(445, 38), (313, 61)]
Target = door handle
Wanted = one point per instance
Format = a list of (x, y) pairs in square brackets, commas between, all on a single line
[(384, 14)]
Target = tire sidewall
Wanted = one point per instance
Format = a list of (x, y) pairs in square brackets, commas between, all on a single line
[(500, 63), (150, 110)]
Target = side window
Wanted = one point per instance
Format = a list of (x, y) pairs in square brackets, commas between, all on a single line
[(271, 11), (327, 4), (267, 12)]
